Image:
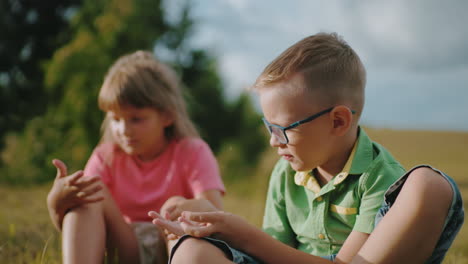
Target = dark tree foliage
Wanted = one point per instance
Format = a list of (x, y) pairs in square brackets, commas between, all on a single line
[(30, 32), (102, 31)]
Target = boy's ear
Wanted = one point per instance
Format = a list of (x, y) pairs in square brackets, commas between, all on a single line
[(342, 118)]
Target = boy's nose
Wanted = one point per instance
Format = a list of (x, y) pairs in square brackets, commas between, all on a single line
[(274, 141)]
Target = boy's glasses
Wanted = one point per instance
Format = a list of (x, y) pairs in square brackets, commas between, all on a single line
[(280, 132)]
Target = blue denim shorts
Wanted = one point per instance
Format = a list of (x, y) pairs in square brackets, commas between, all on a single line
[(231, 253), (453, 221)]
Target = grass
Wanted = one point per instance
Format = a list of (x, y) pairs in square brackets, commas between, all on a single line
[(27, 236)]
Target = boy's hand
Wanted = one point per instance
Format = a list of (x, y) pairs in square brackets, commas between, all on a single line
[(73, 190), (226, 226), (174, 206)]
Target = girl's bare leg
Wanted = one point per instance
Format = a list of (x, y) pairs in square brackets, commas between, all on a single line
[(86, 229)]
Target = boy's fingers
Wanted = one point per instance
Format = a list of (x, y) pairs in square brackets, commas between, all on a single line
[(61, 168), (197, 230)]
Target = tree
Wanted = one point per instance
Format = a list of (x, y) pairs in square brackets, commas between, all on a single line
[(102, 32), (31, 31)]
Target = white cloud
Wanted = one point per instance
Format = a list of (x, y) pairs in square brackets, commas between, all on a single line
[(418, 35), (415, 51)]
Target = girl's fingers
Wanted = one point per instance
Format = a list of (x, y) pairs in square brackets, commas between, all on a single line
[(172, 237), (173, 227), (93, 199), (89, 183), (181, 219), (61, 168), (88, 180), (89, 190), (203, 217), (74, 177), (173, 214), (86, 195), (154, 215), (71, 188), (168, 212), (171, 208)]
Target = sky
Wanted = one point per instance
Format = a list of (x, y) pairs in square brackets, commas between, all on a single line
[(415, 52)]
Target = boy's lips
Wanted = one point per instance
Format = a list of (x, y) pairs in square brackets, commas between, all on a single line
[(287, 157)]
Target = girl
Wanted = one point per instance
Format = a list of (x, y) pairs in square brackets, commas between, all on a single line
[(150, 158)]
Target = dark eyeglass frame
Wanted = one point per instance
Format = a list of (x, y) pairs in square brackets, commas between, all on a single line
[(285, 140)]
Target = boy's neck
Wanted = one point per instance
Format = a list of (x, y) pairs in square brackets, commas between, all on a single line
[(335, 165)]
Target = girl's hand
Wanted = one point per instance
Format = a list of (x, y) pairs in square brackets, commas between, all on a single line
[(73, 190), (169, 207), (172, 229), (174, 206)]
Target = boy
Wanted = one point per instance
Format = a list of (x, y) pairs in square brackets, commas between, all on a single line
[(325, 192)]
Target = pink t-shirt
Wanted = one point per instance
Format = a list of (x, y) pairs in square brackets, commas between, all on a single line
[(186, 168)]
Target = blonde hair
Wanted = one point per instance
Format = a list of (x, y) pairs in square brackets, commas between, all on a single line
[(139, 80), (327, 64)]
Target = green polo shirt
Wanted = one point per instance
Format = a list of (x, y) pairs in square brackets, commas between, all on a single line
[(317, 220)]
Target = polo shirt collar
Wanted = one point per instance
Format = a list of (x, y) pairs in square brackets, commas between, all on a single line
[(364, 154), (359, 159)]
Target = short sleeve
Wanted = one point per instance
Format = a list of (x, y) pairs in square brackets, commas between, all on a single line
[(275, 219), (200, 166), (373, 187), (99, 162)]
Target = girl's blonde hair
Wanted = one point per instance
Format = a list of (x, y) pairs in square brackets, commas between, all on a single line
[(139, 80)]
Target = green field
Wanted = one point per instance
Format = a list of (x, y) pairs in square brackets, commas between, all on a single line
[(26, 236)]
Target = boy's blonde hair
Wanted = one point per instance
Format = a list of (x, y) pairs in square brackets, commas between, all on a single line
[(328, 65), (139, 80)]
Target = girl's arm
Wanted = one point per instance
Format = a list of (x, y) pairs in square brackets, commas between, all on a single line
[(213, 196), (206, 201)]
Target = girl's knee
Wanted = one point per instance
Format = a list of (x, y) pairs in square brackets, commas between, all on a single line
[(86, 209)]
